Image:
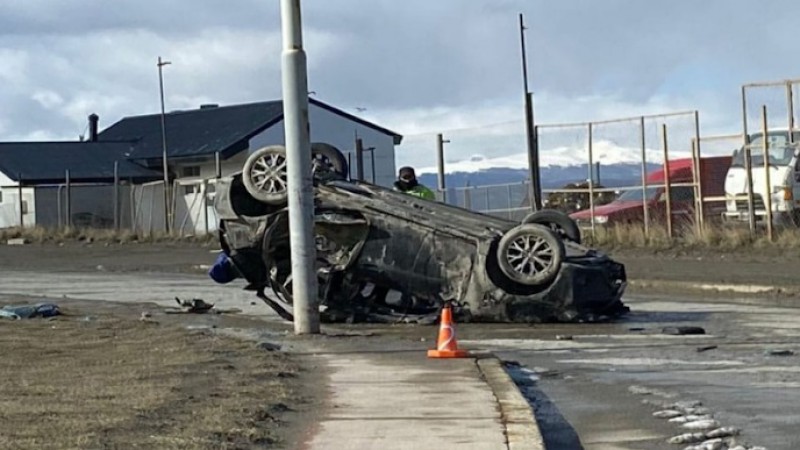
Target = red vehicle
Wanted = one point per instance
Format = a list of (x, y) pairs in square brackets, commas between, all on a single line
[(628, 208)]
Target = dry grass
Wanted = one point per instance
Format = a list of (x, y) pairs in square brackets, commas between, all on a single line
[(720, 238), (115, 383), (40, 235)]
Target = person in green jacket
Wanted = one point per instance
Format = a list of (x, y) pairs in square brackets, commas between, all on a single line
[(407, 182)]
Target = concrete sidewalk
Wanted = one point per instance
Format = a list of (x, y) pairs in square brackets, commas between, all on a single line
[(403, 400)]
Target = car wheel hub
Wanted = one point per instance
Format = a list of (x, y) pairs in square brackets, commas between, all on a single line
[(269, 174), (529, 255)]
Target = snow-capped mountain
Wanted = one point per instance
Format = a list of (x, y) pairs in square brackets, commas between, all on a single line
[(618, 166)]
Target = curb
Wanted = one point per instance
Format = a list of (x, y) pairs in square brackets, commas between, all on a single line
[(522, 431)]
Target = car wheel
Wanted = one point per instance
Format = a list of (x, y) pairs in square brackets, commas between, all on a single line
[(559, 222), (264, 175), (326, 159), (530, 254)]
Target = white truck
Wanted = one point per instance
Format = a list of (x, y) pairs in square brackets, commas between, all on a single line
[(784, 180)]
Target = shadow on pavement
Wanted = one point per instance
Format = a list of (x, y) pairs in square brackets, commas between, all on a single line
[(556, 431)]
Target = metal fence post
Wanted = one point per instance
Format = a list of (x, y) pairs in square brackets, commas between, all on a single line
[(667, 184), (768, 197), (790, 109), (359, 159), (591, 180), (205, 204), (116, 196), (440, 141), (697, 189), (644, 177), (697, 172), (21, 203), (68, 200), (748, 164)]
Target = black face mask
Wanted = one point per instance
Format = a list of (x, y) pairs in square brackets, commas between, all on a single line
[(404, 185)]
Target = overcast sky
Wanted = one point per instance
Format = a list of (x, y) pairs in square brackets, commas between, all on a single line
[(418, 66)]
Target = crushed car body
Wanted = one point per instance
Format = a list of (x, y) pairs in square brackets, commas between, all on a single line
[(385, 256)]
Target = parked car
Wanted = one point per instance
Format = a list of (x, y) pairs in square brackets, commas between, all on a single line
[(784, 183), (383, 255), (628, 208)]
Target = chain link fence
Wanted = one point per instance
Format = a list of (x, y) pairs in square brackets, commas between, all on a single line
[(607, 173)]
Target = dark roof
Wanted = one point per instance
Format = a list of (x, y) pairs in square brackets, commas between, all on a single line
[(47, 162), (208, 130)]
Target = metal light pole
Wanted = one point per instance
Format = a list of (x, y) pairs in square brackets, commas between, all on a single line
[(535, 188), (298, 168), (440, 141), (167, 211)]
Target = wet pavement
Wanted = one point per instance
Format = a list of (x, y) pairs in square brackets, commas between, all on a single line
[(598, 385)]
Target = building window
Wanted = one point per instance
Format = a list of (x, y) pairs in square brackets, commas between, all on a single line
[(190, 172)]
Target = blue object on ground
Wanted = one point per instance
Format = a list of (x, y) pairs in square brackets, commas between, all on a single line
[(222, 271), (29, 311)]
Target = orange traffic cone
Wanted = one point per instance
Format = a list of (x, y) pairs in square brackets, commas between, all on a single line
[(447, 347)]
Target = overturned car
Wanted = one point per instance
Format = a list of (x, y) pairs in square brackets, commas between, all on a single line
[(385, 256)]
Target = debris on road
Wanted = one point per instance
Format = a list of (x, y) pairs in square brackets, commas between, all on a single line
[(706, 348), (17, 241), (18, 312), (563, 337), (195, 305), (779, 352), (683, 330), (268, 346)]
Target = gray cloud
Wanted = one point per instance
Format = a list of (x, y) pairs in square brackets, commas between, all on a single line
[(417, 66)]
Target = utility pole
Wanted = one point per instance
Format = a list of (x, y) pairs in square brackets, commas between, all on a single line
[(535, 187), (298, 168), (359, 159), (440, 141), (167, 210)]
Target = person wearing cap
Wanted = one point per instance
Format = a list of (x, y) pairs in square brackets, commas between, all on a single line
[(407, 182)]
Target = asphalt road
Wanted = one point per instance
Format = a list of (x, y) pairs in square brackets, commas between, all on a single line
[(591, 387)]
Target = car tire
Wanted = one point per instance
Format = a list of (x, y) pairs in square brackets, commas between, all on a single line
[(530, 254), (264, 175), (327, 159), (559, 222)]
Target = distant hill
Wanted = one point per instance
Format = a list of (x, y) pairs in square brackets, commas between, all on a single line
[(615, 175), (500, 188)]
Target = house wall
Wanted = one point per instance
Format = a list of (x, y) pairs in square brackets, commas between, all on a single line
[(340, 132)]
